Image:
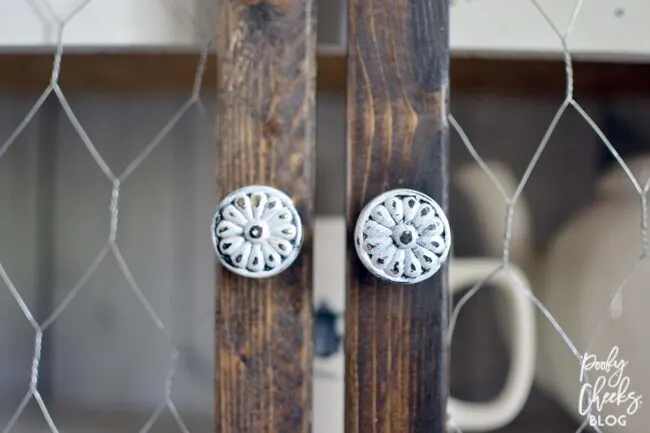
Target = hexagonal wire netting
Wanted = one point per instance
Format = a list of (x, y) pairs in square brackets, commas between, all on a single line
[(514, 233), (111, 247)]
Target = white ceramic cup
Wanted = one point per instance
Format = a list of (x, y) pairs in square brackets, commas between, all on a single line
[(329, 382), (512, 285)]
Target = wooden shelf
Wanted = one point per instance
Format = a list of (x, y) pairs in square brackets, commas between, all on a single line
[(166, 73), (162, 73), (548, 78)]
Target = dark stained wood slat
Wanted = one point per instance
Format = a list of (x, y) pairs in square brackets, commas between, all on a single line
[(132, 72), (165, 73), (265, 136), (398, 87)]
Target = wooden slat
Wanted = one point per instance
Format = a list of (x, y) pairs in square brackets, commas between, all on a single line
[(397, 105), (157, 73), (107, 73), (547, 78), (164, 73), (266, 136)]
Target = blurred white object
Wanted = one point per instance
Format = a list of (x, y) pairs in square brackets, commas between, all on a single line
[(329, 290), (513, 286), (592, 257)]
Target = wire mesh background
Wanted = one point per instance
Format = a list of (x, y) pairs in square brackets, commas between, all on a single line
[(111, 248), (512, 196), (118, 181)]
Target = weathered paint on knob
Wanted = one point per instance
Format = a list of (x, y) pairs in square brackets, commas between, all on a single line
[(257, 231), (403, 236)]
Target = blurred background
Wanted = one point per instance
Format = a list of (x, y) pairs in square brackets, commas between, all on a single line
[(104, 355)]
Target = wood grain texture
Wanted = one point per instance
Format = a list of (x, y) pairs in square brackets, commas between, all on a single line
[(397, 138), (265, 136)]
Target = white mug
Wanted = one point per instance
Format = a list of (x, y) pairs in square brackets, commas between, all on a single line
[(512, 284), (329, 286)]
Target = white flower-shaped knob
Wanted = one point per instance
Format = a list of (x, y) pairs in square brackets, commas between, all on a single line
[(257, 231), (402, 236)]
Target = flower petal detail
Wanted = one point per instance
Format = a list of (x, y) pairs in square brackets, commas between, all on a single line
[(230, 213), (258, 202), (271, 258), (424, 217), (240, 257), (433, 243), (382, 216), (427, 259), (273, 205), (230, 245), (280, 218), (374, 245), (286, 231), (243, 204), (410, 206), (433, 228), (412, 266), (227, 229), (280, 245), (373, 229), (382, 257), (395, 208), (396, 265), (256, 259)]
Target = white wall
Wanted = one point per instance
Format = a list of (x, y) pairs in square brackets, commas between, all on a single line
[(603, 30), (103, 23), (125, 24)]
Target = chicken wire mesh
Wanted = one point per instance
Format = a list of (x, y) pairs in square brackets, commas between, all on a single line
[(111, 248), (192, 106), (591, 404)]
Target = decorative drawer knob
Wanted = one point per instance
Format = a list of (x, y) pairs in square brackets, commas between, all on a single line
[(402, 236), (257, 231)]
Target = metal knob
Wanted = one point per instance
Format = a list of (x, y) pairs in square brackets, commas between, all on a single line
[(257, 232), (402, 236)]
